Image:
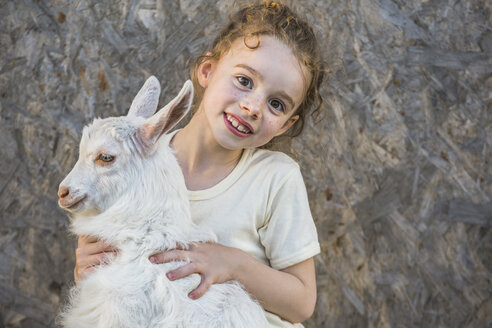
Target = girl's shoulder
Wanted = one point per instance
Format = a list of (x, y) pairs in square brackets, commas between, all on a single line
[(266, 158), (271, 167)]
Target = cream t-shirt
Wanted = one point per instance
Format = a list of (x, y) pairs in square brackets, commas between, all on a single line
[(262, 208)]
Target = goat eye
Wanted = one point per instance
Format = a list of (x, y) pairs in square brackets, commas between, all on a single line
[(105, 158)]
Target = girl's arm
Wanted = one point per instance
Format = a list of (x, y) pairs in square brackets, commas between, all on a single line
[(289, 293)]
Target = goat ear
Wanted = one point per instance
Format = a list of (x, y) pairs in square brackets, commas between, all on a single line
[(145, 102), (166, 118)]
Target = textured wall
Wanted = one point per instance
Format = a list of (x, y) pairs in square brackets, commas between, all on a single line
[(398, 167)]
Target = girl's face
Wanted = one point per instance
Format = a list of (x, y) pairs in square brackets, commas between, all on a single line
[(251, 94)]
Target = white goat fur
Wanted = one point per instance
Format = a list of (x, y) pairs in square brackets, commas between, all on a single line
[(139, 204)]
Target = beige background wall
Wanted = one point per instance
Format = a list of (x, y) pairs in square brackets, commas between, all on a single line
[(398, 168)]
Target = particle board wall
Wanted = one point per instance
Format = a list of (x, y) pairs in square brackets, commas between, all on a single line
[(397, 167)]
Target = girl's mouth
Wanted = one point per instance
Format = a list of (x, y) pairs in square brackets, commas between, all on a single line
[(236, 127)]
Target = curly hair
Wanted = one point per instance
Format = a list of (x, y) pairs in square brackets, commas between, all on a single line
[(277, 20)]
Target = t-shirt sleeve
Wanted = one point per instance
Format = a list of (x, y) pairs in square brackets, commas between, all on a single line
[(289, 234)]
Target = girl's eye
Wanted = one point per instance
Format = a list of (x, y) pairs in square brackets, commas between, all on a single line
[(277, 105), (244, 81), (105, 159)]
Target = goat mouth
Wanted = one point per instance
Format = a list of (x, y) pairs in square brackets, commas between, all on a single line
[(73, 204)]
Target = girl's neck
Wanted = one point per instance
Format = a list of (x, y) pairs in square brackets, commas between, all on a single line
[(203, 161)]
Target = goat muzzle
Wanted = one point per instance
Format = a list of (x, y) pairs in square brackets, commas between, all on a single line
[(69, 200)]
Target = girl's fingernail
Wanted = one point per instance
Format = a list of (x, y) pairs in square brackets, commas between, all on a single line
[(153, 259), (170, 275), (192, 295)]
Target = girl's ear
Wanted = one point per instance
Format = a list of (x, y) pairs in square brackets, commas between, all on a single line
[(287, 125), (204, 71)]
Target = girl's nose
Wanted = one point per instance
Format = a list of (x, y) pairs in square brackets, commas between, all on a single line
[(252, 107)]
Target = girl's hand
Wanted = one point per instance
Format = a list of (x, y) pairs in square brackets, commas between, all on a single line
[(214, 262), (90, 252)]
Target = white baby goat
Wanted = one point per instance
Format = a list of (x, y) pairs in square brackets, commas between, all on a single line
[(127, 189)]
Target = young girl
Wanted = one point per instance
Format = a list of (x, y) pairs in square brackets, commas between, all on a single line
[(258, 81)]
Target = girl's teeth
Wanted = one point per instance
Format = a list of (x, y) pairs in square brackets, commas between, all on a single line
[(236, 124)]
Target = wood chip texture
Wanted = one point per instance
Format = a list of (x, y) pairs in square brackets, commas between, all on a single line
[(397, 166)]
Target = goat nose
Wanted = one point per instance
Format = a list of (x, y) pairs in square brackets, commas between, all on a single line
[(63, 192)]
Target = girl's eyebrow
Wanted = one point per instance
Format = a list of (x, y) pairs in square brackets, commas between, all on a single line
[(251, 70), (258, 75)]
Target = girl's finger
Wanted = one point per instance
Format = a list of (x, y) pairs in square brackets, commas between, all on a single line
[(106, 248), (201, 289), (88, 261), (170, 256), (83, 240), (91, 260), (92, 239), (110, 249), (94, 248), (183, 271)]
